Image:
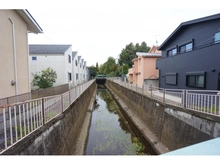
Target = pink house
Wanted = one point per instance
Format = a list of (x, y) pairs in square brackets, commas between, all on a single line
[(144, 66)]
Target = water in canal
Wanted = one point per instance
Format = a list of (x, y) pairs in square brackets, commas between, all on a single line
[(110, 133)]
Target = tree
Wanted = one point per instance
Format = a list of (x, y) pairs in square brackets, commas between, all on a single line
[(129, 53), (45, 79), (97, 67), (93, 71), (109, 67), (144, 47)]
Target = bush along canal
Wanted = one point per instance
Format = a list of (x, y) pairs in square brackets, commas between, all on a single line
[(110, 133)]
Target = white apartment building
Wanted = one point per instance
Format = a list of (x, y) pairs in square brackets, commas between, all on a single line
[(70, 67), (79, 69), (57, 57)]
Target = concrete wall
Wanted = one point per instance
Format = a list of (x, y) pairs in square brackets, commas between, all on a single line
[(153, 82), (169, 127), (60, 135)]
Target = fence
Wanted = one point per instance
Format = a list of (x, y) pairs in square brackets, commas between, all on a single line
[(57, 90), (197, 100), (20, 119)]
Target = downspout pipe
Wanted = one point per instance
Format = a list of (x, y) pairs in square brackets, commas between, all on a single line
[(15, 59)]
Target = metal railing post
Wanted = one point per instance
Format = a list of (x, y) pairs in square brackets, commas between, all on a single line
[(69, 98), (5, 128), (151, 91), (43, 111), (61, 101), (184, 99), (164, 92)]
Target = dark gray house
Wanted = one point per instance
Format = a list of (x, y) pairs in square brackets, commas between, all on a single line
[(191, 56)]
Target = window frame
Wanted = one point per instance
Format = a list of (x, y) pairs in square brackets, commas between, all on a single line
[(171, 50), (168, 75), (196, 76), (69, 59), (33, 58), (217, 41), (185, 46), (69, 74), (76, 62)]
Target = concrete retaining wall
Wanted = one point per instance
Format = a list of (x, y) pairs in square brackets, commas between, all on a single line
[(153, 82), (166, 127), (60, 135)]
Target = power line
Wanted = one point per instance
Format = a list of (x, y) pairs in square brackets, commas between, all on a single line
[(52, 42)]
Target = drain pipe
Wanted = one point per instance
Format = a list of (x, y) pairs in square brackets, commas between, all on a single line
[(15, 60)]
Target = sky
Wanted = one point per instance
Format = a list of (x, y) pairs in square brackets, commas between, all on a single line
[(98, 29)]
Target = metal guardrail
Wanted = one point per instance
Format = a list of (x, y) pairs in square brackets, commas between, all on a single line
[(20, 119), (205, 101)]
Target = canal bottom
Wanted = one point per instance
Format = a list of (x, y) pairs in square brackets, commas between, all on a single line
[(110, 133)]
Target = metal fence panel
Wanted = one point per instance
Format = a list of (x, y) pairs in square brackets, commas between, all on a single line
[(20, 119), (204, 101)]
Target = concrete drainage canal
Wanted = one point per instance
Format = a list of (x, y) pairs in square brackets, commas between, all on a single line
[(110, 133)]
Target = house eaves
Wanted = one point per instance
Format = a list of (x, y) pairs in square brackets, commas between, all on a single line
[(188, 23), (32, 25)]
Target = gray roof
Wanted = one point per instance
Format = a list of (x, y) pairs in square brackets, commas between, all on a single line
[(185, 24), (74, 54), (144, 54), (79, 57), (48, 49)]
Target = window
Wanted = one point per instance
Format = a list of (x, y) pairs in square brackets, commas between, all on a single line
[(217, 37), (172, 52), (34, 58), (76, 62), (69, 76), (76, 76), (189, 47), (186, 48), (69, 58), (171, 78), (196, 80)]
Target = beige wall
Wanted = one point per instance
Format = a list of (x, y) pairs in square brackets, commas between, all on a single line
[(145, 68), (7, 54), (150, 68), (130, 73)]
